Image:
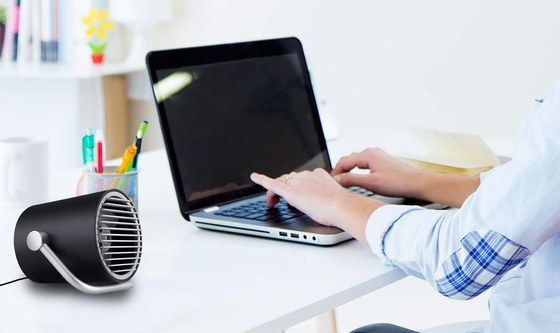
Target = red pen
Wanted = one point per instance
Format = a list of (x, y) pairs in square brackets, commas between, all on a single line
[(99, 151)]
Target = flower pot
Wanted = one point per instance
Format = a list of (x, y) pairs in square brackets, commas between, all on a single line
[(97, 58)]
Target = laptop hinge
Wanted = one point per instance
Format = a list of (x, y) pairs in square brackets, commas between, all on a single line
[(211, 209)]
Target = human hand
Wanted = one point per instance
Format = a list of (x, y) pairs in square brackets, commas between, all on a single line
[(319, 196), (387, 176)]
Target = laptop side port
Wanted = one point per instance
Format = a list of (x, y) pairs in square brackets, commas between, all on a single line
[(283, 234), (294, 235)]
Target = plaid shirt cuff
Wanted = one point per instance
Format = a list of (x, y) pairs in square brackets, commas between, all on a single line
[(379, 224), (478, 265)]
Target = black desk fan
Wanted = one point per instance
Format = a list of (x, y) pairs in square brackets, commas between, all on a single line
[(93, 242)]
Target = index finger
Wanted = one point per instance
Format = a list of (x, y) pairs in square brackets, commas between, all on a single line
[(348, 163), (272, 198), (270, 184)]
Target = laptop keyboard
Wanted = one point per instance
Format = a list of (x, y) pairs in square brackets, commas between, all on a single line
[(257, 210), (360, 191)]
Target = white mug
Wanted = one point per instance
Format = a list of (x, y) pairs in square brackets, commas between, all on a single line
[(23, 172)]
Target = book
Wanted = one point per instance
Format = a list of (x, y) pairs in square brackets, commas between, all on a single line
[(49, 30), (3, 15), (36, 31), (8, 32), (65, 31), (445, 152), (15, 29), (24, 34)]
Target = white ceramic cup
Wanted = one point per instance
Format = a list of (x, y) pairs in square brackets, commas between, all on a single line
[(23, 172)]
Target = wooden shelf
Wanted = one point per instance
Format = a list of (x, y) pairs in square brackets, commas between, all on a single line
[(66, 71)]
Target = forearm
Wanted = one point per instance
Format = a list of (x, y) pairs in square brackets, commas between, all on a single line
[(451, 190), (352, 212)]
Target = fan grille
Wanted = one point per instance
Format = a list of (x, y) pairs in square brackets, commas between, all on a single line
[(119, 236)]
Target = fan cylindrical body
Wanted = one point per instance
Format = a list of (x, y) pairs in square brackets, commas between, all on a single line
[(97, 236)]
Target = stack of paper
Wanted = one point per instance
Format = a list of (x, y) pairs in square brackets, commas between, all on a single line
[(445, 152)]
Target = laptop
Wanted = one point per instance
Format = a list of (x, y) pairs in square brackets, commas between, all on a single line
[(228, 110)]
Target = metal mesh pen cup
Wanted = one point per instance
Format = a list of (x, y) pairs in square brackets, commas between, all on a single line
[(126, 182)]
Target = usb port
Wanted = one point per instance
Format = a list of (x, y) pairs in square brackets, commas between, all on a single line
[(294, 235), (284, 234)]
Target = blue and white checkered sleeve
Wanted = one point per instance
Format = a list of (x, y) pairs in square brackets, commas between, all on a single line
[(478, 264)]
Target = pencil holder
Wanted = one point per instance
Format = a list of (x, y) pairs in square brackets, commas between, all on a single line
[(126, 182)]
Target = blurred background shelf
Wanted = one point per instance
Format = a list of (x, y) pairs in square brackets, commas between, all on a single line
[(37, 98), (67, 71)]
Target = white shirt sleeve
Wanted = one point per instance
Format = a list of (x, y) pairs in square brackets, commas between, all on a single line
[(512, 213), (413, 238)]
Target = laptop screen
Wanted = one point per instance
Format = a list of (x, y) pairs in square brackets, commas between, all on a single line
[(227, 119)]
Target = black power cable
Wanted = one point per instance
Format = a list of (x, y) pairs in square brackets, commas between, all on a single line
[(16, 280)]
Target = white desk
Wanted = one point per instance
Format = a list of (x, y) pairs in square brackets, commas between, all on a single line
[(193, 280)]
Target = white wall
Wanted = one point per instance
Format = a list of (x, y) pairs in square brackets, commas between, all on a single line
[(470, 66)]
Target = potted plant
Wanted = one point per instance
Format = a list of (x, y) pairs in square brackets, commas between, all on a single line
[(97, 28)]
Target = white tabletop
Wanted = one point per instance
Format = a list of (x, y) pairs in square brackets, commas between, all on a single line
[(193, 280)]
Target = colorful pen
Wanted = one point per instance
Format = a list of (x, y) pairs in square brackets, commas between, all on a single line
[(87, 150), (128, 155), (139, 135), (99, 151)]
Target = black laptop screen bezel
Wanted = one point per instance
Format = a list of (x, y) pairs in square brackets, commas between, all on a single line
[(177, 58)]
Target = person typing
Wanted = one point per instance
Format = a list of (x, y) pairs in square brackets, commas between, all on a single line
[(502, 236)]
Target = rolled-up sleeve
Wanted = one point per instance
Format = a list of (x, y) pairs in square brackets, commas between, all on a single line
[(463, 252), (384, 218), (412, 238)]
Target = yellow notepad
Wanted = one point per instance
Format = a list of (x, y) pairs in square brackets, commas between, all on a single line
[(446, 152)]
